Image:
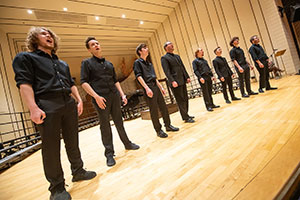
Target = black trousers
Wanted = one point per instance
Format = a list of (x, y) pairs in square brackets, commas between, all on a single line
[(207, 92), (182, 100), (244, 77), (157, 101), (113, 108), (61, 117), (263, 75), (227, 81)]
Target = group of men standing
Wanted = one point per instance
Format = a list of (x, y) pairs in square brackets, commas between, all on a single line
[(46, 86)]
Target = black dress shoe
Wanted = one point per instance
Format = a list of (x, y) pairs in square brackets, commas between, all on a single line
[(132, 146), (260, 90), (62, 195), (215, 106), (110, 161), (227, 101), (84, 175), (189, 120), (171, 128), (191, 117), (245, 95), (235, 99), (209, 109), (252, 93), (271, 88), (162, 134)]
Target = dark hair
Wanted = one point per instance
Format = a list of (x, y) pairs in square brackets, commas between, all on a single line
[(252, 38), (139, 48), (87, 41), (166, 44), (216, 49), (232, 40)]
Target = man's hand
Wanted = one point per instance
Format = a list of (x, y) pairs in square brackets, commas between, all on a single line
[(232, 76), (222, 79), (261, 65), (202, 80), (37, 115), (101, 102), (79, 108), (241, 70), (174, 84), (188, 80), (149, 92), (124, 99)]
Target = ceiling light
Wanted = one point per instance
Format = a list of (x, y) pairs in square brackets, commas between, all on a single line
[(97, 18), (29, 11), (123, 16), (141, 22), (65, 9)]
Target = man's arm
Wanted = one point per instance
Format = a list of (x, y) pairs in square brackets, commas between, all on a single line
[(76, 95), (148, 90), (100, 100), (255, 57), (124, 99), (36, 114), (166, 68)]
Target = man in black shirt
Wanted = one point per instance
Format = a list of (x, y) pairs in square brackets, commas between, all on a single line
[(242, 67), (224, 74), (98, 79), (46, 85), (205, 78), (146, 76), (261, 63), (177, 78)]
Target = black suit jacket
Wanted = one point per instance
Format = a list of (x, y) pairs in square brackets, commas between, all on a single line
[(174, 69), (222, 68)]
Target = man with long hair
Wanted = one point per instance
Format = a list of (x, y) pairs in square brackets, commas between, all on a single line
[(145, 74), (46, 86), (98, 79), (205, 78)]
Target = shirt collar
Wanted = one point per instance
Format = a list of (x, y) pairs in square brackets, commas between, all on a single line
[(42, 53), (101, 60), (144, 61), (170, 53)]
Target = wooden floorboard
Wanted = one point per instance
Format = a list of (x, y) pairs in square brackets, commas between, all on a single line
[(245, 150)]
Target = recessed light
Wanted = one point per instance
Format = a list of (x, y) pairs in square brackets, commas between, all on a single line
[(29, 11), (123, 16), (141, 22), (65, 9), (97, 18)]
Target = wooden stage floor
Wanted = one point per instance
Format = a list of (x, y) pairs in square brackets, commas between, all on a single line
[(245, 150)]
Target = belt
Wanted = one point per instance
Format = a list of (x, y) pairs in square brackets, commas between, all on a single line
[(51, 95)]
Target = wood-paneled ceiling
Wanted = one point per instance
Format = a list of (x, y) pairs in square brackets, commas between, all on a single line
[(117, 35)]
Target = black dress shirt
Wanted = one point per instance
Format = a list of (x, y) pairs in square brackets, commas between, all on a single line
[(257, 53), (221, 66), (44, 73), (174, 68), (202, 69), (145, 70), (100, 74), (236, 53)]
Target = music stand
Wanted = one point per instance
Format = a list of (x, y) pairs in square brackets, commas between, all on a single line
[(280, 53)]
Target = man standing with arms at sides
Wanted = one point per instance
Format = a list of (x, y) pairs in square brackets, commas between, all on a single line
[(242, 67), (261, 63), (224, 74), (46, 85), (98, 79), (177, 78), (145, 74), (205, 78)]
